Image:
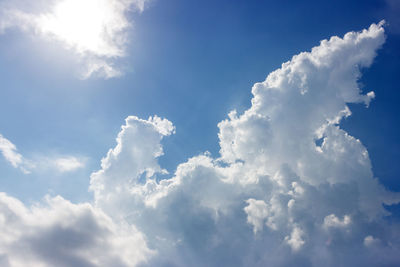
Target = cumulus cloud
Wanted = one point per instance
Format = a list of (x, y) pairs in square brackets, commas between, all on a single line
[(61, 233), (275, 196), (257, 211), (95, 30), (290, 188), (56, 163), (295, 240)]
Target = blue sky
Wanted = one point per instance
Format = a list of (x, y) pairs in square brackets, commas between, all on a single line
[(191, 62)]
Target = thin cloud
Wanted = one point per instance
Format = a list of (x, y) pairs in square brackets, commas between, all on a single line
[(10, 154), (67, 164), (57, 163), (9, 151)]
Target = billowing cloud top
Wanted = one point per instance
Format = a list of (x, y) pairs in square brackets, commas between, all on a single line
[(290, 188)]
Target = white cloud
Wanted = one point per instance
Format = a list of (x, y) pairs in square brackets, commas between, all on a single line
[(95, 30), (257, 211), (314, 202), (68, 164), (333, 221), (60, 233), (58, 163), (320, 207), (9, 151), (295, 240), (370, 241)]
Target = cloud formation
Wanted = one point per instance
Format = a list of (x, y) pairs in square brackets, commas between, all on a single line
[(56, 163), (95, 30), (275, 197), (10, 154), (290, 188), (60, 233), (66, 164)]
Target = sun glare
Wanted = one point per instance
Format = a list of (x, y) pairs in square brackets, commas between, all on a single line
[(88, 26)]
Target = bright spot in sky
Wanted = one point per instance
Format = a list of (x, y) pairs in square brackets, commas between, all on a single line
[(95, 30), (86, 26)]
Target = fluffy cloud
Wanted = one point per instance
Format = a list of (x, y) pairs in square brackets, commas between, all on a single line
[(64, 234), (290, 188), (96, 30)]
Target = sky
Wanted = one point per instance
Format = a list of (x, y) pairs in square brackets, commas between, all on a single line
[(199, 133)]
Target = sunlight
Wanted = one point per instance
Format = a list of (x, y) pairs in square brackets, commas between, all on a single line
[(87, 26)]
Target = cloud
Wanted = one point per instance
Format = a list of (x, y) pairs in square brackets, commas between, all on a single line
[(61, 233), (9, 151), (67, 164), (295, 240), (95, 30), (333, 221), (58, 163), (275, 196), (290, 188), (257, 211)]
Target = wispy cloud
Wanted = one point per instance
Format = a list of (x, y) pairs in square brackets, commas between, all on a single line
[(56, 163), (66, 164), (9, 152)]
